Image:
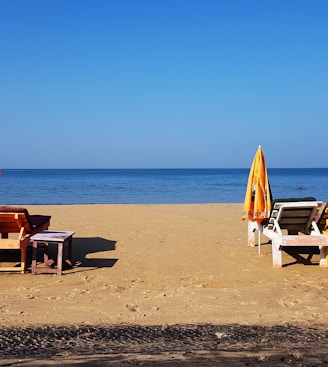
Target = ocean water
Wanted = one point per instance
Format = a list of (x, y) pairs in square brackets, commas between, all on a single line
[(151, 186)]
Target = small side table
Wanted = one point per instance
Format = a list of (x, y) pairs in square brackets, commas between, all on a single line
[(51, 237)]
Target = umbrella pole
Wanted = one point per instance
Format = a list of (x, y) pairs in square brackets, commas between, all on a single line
[(259, 229)]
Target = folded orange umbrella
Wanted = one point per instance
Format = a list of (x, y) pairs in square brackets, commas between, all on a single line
[(258, 199)]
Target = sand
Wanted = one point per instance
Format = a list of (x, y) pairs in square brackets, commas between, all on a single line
[(164, 285)]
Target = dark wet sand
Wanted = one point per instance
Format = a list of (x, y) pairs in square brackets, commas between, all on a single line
[(166, 346)]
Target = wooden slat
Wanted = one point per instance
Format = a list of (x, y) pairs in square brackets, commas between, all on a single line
[(8, 243), (12, 222), (10, 268)]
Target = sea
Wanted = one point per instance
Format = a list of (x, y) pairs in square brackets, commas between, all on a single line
[(152, 186)]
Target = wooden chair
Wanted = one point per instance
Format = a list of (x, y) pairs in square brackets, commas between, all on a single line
[(293, 224), (17, 221)]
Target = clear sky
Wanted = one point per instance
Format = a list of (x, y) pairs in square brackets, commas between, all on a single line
[(163, 83)]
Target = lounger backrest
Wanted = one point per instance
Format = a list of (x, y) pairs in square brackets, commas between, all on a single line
[(12, 219), (294, 216)]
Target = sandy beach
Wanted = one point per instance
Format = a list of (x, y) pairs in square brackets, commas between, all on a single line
[(164, 285)]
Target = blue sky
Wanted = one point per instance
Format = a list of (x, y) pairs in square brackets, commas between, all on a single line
[(163, 83)]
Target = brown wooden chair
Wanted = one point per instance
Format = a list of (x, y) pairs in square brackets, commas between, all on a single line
[(17, 221)]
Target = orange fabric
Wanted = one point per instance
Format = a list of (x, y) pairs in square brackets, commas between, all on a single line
[(257, 203)]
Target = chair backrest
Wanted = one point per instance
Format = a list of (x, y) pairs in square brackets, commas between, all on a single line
[(294, 216), (13, 219)]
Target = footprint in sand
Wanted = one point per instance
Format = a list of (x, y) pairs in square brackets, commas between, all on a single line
[(130, 307), (289, 302)]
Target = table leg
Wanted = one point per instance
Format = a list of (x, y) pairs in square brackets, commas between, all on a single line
[(60, 258)]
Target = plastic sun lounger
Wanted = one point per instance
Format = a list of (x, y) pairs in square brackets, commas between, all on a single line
[(16, 220), (293, 224)]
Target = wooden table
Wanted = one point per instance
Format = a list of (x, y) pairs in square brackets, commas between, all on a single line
[(59, 238)]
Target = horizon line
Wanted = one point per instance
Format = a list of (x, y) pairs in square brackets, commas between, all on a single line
[(152, 168)]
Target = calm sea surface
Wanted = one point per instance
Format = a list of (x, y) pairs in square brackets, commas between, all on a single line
[(151, 186)]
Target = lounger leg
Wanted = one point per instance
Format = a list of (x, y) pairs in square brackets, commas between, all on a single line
[(276, 254), (323, 256)]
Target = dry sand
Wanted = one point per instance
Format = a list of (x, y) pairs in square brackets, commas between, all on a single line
[(164, 285)]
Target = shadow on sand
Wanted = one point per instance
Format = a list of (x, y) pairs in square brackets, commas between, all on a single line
[(91, 252), (306, 255)]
